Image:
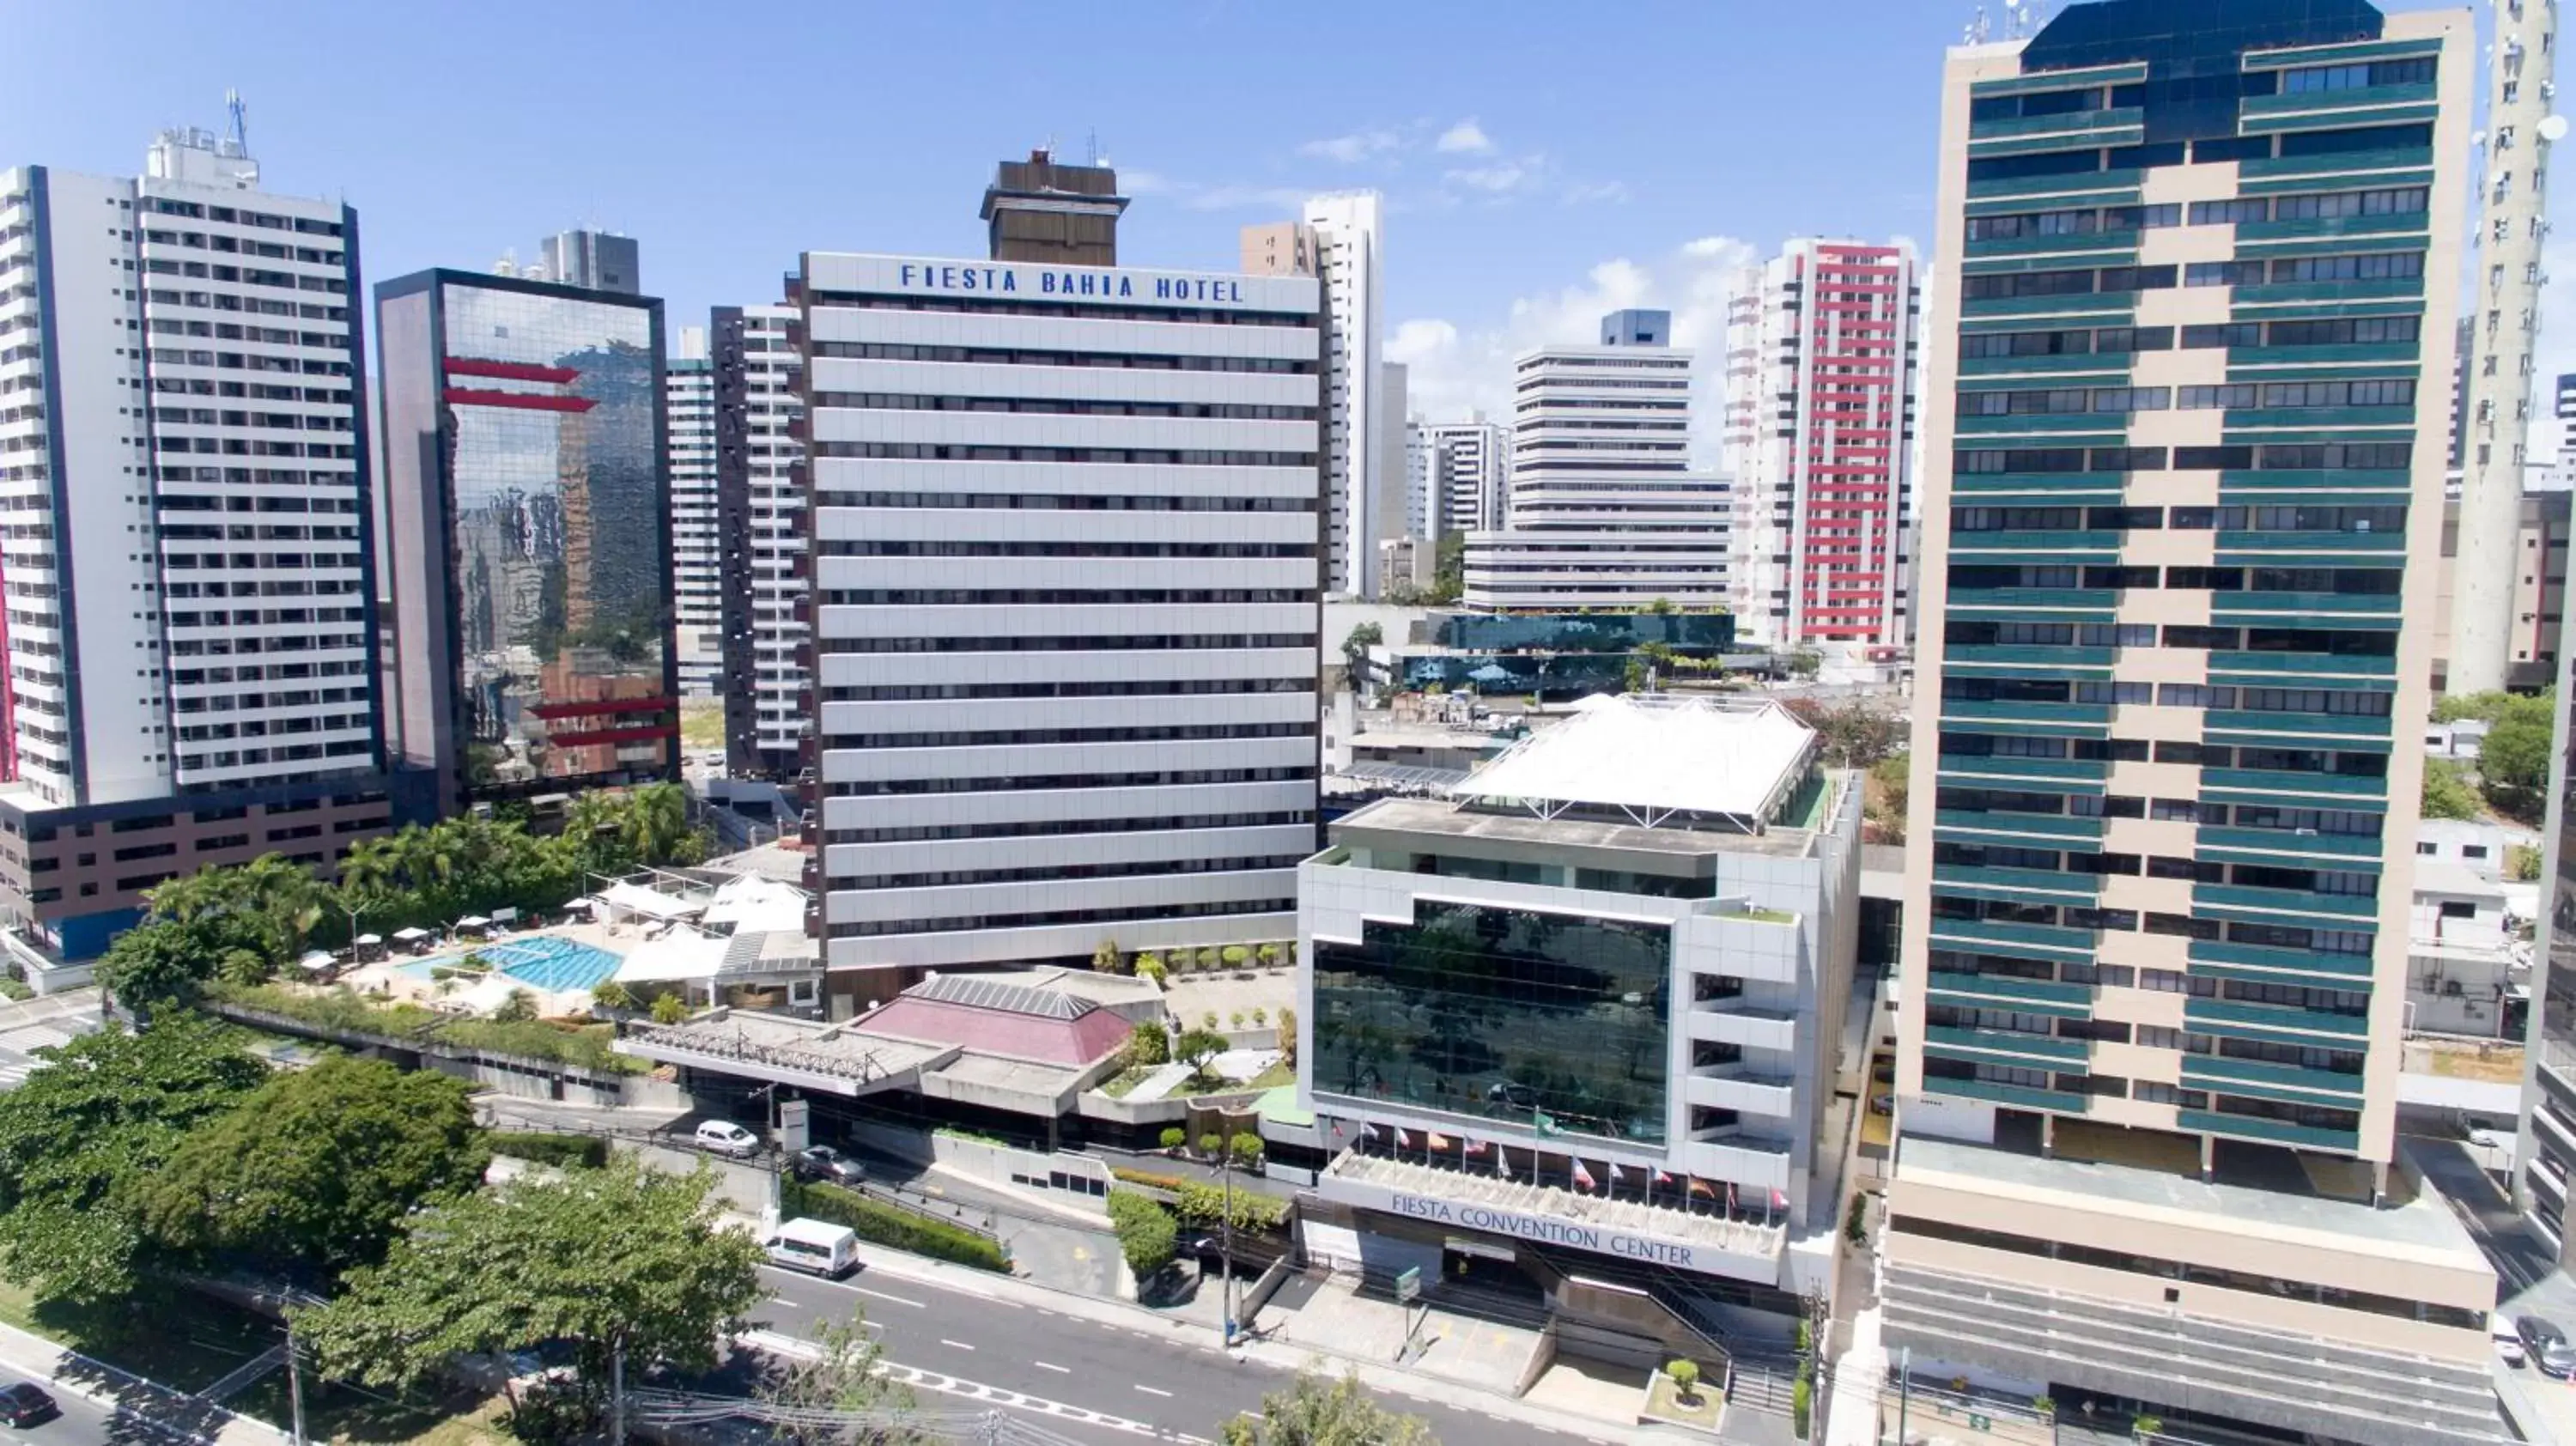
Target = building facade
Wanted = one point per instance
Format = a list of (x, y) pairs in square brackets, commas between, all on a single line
[(1068, 607), (591, 260), (764, 509), (697, 584), (529, 557), (1605, 510), (1466, 475), (2185, 453), (2539, 590), (1821, 369), (1337, 242), (2547, 1149), (177, 365), (1567, 1018)]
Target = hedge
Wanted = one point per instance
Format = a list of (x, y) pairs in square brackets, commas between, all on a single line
[(550, 1149), (889, 1225)]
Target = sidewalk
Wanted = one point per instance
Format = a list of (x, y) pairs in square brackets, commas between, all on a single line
[(169, 1413), (1193, 1334)]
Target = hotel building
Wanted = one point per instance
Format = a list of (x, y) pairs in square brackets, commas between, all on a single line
[(1604, 511), (190, 628), (1065, 568), (1820, 379), (2185, 440), (527, 537)]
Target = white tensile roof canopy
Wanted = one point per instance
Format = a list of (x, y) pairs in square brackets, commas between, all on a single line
[(1654, 759)]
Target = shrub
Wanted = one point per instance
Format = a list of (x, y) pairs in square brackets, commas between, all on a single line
[(609, 994), (1151, 969), (1685, 1375), (1856, 1223), (667, 1009), (2146, 1426), (1260, 1017), (1210, 1143), (1204, 1205), (888, 1225), (1148, 1178), (1246, 1148), (1174, 1137), (1106, 960), (1237, 955), (1149, 1043), (589, 1151), (1235, 1020), (1270, 954), (518, 1008), (1146, 1235), (1208, 1020), (1210, 957), (1802, 1400)]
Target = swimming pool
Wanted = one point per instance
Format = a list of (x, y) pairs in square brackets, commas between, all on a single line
[(543, 962)]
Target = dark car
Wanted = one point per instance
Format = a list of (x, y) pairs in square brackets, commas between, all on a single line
[(26, 1404), (822, 1162)]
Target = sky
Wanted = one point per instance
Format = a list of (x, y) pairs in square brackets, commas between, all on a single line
[(1540, 164)]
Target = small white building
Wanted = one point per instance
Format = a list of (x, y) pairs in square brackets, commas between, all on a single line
[(2459, 740), (2465, 959), (2472, 844)]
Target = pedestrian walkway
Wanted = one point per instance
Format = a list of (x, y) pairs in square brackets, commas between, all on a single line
[(172, 1414)]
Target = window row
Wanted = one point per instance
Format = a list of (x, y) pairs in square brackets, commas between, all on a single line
[(2137, 519), (2287, 395), (2379, 265), (2269, 457), (2122, 340)]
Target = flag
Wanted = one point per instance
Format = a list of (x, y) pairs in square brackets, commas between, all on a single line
[(1544, 1122), (1582, 1176), (1502, 1163), (1663, 1177), (1403, 1141), (1730, 1197), (1439, 1142), (1475, 1147), (1699, 1186), (1368, 1131), (1779, 1201), (1616, 1175)]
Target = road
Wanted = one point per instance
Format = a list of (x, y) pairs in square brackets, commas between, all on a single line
[(84, 1424), (28, 1024), (2519, 1258), (1081, 1378)]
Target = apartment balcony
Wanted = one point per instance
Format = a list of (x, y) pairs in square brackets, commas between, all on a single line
[(1730, 1021), (2007, 1047), (2274, 1023), (1747, 1090), (2006, 991), (2264, 1080), (2020, 1097)]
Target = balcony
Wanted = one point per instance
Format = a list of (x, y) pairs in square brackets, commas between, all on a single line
[(2263, 1079), (2279, 1132), (2008, 991), (2274, 1023), (1734, 1087), (1727, 1021), (2020, 1097), (2337, 970), (2004, 1046), (2285, 901)]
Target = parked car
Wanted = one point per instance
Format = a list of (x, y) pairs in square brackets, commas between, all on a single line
[(25, 1404), (2507, 1338), (822, 1162), (2547, 1346), (724, 1137)]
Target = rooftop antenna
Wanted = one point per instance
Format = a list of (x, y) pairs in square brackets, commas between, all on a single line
[(1093, 137), (240, 114), (1978, 28)]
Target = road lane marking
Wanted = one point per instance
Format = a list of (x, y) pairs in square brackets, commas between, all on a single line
[(1052, 1366), (881, 1295), (1153, 1390), (961, 1345)]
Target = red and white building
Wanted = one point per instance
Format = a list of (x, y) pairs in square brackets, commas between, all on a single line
[(1820, 378)]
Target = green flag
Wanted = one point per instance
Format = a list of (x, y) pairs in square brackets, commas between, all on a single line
[(1545, 1122)]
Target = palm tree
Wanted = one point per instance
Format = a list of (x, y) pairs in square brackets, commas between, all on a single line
[(593, 821), (657, 819), (369, 867)]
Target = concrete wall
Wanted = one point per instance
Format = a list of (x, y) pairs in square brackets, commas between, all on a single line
[(993, 1164)]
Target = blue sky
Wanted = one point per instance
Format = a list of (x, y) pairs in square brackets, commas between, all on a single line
[(1600, 155)]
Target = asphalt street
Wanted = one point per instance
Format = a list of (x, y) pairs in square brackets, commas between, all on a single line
[(1083, 1379), (83, 1424)]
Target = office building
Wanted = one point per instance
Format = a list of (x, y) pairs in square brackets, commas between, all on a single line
[(2510, 219), (1042, 210), (183, 446), (2546, 1148), (1605, 509), (697, 588), (1337, 241), (2182, 525), (591, 260), (525, 498), (1467, 468), (1577, 1016), (1067, 608), (1820, 378), (1421, 506), (760, 483)]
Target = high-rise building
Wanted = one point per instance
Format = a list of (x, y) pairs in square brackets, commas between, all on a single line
[(1392, 521), (1045, 211), (525, 498), (1067, 608), (592, 260), (2184, 443), (1605, 509), (2546, 1142), (190, 628), (2511, 218), (697, 585), (1820, 381), (760, 479), (1468, 466), (1337, 241)]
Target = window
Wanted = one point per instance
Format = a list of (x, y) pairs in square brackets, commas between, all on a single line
[(2222, 273), (2141, 218), (2228, 213), (2235, 333), (2381, 266), (2204, 398), (2459, 909)]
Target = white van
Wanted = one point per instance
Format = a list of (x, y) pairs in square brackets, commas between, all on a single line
[(815, 1246)]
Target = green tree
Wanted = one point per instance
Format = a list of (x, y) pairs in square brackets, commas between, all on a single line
[(655, 823), (1147, 1236), (617, 1258), (1196, 1047), (1149, 1043), (2446, 794), (845, 1373), (1315, 1411), (1106, 959), (154, 965), (1806, 662), (2513, 761), (312, 1173), (2522, 863), (2485, 707), (609, 994), (1288, 1035), (669, 1009), (1685, 1376), (91, 1126), (1449, 570), (517, 1007), (1355, 648)]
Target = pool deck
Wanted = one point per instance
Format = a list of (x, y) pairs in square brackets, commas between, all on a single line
[(387, 976)]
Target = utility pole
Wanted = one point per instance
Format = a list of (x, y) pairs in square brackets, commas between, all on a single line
[(617, 1391), (294, 1391), (1904, 1388), (1225, 1235)]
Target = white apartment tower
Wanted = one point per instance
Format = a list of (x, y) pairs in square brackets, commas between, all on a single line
[(1065, 573), (760, 481), (1466, 465), (1337, 242), (1820, 378), (189, 627), (1605, 509), (697, 596)]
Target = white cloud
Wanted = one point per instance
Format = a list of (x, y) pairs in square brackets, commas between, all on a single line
[(1455, 369), (1465, 137), (1502, 178), (1353, 148), (1587, 193)]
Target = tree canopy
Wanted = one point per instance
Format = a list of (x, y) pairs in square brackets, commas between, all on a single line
[(2513, 760), (1314, 1411), (2446, 794), (314, 1171), (85, 1133), (617, 1256)]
